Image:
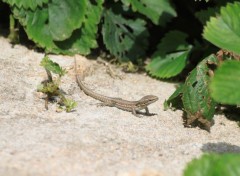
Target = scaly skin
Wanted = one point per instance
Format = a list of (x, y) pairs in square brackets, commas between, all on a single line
[(132, 106)]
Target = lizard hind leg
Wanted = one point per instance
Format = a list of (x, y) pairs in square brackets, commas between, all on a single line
[(147, 110), (134, 112)]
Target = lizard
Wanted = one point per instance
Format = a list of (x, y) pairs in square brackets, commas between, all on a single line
[(131, 106)]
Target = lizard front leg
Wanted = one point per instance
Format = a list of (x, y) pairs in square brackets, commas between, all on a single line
[(148, 113)]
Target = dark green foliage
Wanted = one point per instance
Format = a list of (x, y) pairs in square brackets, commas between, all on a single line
[(70, 27), (83, 39), (62, 26), (125, 39), (27, 4), (174, 101), (159, 12), (204, 15), (195, 95)]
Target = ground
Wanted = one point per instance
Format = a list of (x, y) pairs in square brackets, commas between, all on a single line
[(94, 140)]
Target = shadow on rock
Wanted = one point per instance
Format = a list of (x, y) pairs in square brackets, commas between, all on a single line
[(221, 147)]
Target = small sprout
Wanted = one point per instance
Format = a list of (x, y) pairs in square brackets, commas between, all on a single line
[(51, 86), (52, 66), (69, 104)]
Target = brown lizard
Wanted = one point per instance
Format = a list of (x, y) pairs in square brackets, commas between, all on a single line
[(132, 106)]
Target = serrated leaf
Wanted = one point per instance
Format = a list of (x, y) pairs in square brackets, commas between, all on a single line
[(226, 82), (174, 100), (196, 97), (61, 17), (42, 29), (26, 4), (204, 15), (125, 39), (224, 30), (159, 12), (36, 27), (213, 164), (54, 67), (83, 39), (170, 57)]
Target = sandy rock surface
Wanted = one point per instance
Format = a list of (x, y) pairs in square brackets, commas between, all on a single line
[(94, 140)]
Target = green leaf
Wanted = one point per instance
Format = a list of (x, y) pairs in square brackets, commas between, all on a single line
[(196, 97), (159, 12), (54, 67), (26, 4), (44, 26), (60, 17), (226, 82), (125, 39), (213, 164), (224, 30), (36, 27), (84, 38), (174, 100), (204, 15), (60, 11), (170, 57), (169, 66)]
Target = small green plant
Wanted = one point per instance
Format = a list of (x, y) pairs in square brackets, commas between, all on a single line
[(50, 87), (214, 165)]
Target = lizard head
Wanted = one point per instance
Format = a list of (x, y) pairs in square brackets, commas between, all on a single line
[(147, 100)]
